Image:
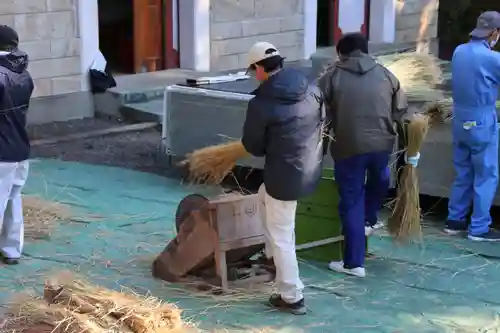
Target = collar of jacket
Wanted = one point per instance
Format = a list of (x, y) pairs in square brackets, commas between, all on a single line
[(482, 41)]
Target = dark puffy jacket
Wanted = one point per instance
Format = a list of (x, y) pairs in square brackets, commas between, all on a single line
[(364, 100), (284, 123), (16, 87)]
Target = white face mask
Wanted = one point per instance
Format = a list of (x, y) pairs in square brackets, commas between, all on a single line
[(494, 42)]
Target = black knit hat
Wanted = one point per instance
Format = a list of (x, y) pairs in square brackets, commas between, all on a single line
[(352, 42), (9, 39)]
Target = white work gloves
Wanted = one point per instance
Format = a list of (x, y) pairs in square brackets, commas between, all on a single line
[(412, 160)]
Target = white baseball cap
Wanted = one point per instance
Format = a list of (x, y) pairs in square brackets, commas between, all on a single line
[(261, 51)]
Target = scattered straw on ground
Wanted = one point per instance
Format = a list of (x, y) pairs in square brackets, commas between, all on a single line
[(72, 305), (41, 216)]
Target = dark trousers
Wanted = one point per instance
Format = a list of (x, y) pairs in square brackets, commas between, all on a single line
[(363, 182)]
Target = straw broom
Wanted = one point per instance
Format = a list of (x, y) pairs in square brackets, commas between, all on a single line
[(404, 223), (212, 164)]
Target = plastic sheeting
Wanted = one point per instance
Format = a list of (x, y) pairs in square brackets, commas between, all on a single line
[(123, 219)]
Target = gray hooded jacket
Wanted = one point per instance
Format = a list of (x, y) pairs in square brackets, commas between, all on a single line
[(364, 101)]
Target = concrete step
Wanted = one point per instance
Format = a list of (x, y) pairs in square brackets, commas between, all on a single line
[(149, 111)]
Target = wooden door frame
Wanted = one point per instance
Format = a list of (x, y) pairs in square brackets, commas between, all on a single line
[(169, 55)]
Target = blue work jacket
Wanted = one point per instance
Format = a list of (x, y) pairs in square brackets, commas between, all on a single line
[(475, 83)]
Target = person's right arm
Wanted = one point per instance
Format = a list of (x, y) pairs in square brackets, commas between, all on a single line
[(254, 137), (495, 67), (326, 88), (401, 112)]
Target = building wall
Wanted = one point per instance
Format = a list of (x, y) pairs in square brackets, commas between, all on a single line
[(416, 20), (48, 32), (235, 25)]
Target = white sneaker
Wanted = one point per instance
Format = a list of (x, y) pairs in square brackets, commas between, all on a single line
[(369, 230), (338, 266), (378, 225)]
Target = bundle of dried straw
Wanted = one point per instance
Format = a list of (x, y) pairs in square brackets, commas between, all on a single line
[(441, 110), (212, 164), (418, 73), (74, 306), (404, 223)]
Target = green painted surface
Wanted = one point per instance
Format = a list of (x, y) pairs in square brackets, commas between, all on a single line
[(450, 285), (317, 218)]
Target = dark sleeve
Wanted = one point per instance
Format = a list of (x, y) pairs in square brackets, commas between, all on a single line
[(401, 112), (254, 130), (325, 85), (2, 86)]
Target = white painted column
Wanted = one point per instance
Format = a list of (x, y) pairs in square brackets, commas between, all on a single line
[(194, 34), (310, 25), (88, 24), (351, 15), (175, 24), (383, 21)]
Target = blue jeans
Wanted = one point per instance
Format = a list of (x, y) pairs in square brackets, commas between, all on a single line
[(363, 182)]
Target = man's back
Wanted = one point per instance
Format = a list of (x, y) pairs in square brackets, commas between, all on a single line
[(16, 87), (475, 75), (360, 94), (288, 108)]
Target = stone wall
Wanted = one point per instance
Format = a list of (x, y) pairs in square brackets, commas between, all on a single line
[(416, 20), (235, 25), (48, 32)]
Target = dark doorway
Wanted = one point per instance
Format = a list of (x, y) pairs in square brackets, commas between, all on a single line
[(116, 34), (325, 23)]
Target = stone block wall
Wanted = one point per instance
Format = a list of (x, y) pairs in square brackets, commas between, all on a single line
[(235, 25), (416, 21), (48, 32)]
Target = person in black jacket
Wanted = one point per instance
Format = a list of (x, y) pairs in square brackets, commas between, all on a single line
[(16, 87), (284, 123)]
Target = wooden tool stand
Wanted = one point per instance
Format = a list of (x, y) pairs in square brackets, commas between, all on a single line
[(216, 240), (237, 223)]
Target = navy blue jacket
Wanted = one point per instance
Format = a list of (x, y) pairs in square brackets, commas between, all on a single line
[(16, 87), (284, 123)]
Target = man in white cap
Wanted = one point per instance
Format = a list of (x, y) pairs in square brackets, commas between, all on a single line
[(284, 123), (475, 82)]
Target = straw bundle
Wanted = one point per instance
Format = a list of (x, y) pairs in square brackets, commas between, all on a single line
[(418, 74), (438, 111), (442, 110), (212, 164), (74, 306), (404, 223)]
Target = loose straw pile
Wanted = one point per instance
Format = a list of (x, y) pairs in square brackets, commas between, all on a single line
[(41, 216), (418, 74), (71, 305), (404, 223), (212, 164)]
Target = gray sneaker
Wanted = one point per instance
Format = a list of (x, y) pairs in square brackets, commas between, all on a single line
[(490, 236)]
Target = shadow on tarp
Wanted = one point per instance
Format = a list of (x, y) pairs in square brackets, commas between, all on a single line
[(445, 285)]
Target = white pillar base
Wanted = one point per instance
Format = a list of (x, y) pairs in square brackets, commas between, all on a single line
[(383, 21)]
